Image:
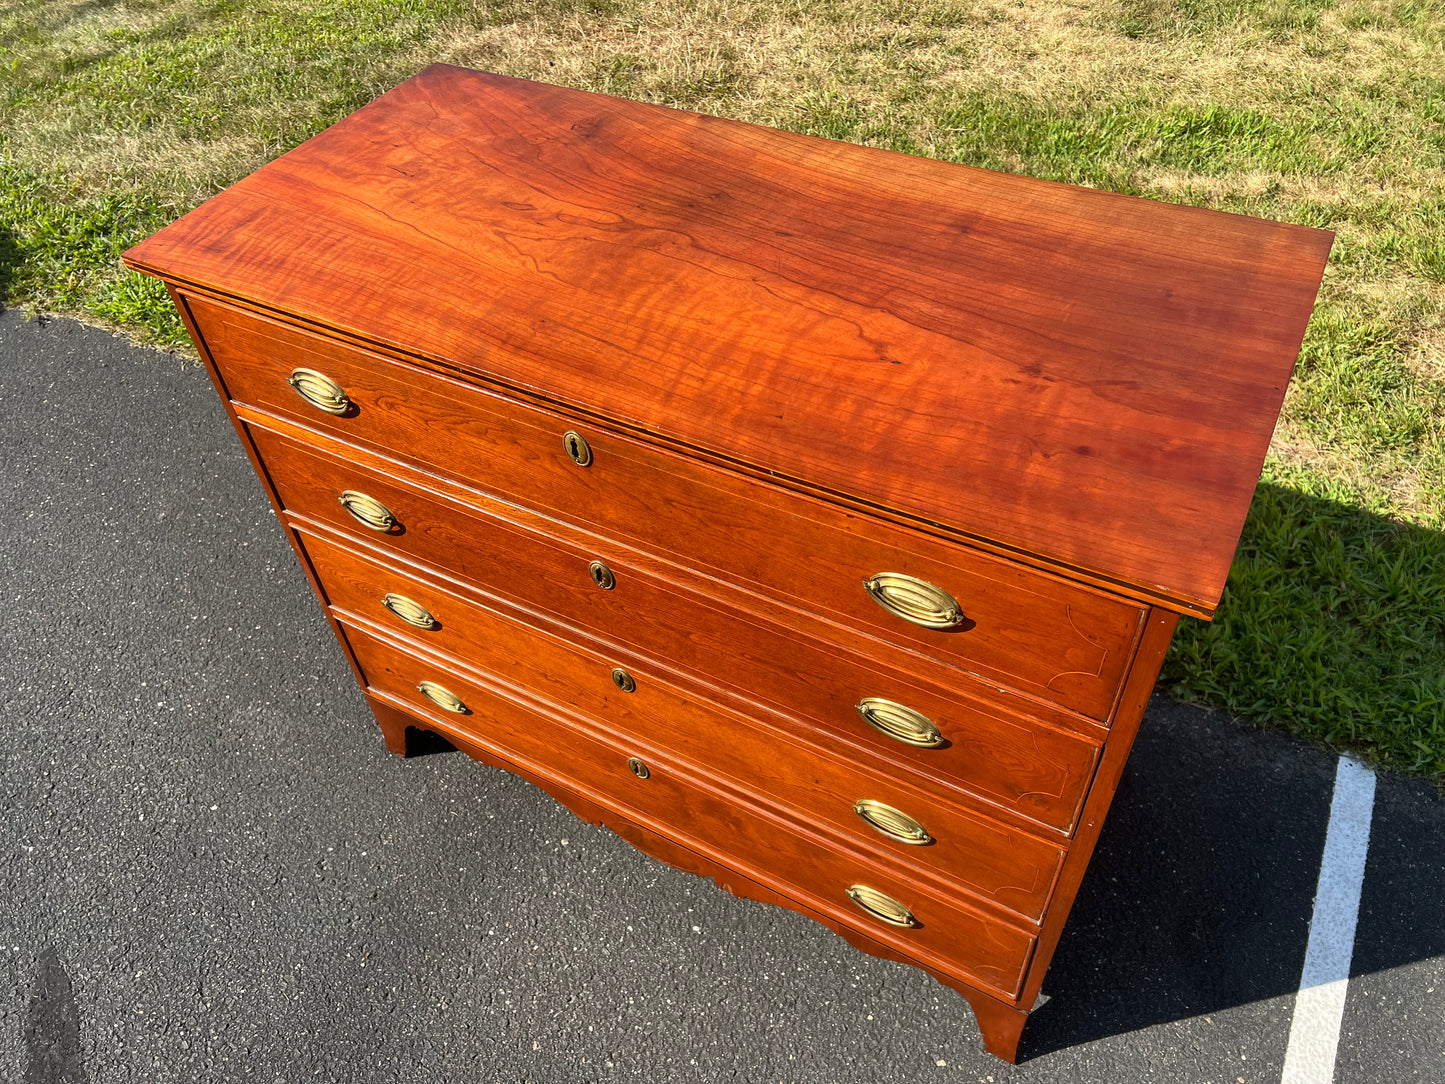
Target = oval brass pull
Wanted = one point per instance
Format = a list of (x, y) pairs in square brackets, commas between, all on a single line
[(893, 823), (319, 390), (413, 613), (915, 600), (638, 768), (368, 511), (443, 698), (882, 906), (602, 575), (900, 723), (578, 450)]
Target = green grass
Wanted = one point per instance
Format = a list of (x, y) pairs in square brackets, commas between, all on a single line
[(116, 118), (65, 251)]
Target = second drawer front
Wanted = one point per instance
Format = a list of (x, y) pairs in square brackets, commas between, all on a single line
[(1064, 642), (1009, 868), (1038, 771), (769, 849)]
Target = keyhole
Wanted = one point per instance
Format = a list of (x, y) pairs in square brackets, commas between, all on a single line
[(577, 447), (637, 768), (602, 575), (623, 680)]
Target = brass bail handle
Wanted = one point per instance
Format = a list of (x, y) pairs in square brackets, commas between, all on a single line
[(882, 906), (410, 611), (368, 511), (915, 600), (443, 697), (320, 391), (893, 823), (900, 722)]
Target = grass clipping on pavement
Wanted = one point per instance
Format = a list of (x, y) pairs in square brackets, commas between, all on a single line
[(117, 118)]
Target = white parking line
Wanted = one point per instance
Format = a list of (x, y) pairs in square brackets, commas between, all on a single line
[(1319, 1006)]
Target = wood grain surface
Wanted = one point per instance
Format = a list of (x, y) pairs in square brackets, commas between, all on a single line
[(1085, 377)]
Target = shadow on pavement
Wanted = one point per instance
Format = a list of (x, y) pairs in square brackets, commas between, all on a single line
[(1200, 895), (426, 743), (1200, 892)]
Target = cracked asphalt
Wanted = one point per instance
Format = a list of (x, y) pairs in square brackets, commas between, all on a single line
[(211, 870)]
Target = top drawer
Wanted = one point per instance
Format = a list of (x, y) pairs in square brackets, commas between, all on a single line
[(1059, 640)]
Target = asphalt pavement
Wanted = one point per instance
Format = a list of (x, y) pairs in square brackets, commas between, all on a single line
[(211, 870)]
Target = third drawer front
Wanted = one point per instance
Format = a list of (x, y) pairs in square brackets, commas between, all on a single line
[(986, 744), (1059, 640), (664, 796), (963, 849)]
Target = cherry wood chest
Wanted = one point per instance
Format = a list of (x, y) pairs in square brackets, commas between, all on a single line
[(816, 517)]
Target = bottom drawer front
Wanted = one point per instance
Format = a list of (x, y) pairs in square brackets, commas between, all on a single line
[(944, 934)]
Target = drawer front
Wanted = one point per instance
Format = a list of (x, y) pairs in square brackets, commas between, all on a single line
[(1067, 643), (770, 849), (990, 751), (1008, 867)]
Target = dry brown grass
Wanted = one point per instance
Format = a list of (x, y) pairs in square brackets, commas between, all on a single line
[(201, 101), (1427, 357), (756, 60)]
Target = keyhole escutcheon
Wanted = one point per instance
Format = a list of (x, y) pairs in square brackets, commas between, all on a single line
[(578, 450)]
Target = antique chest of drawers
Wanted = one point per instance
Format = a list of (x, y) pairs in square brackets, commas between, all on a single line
[(815, 517)]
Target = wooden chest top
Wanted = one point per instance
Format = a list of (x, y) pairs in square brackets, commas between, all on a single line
[(1086, 380)]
